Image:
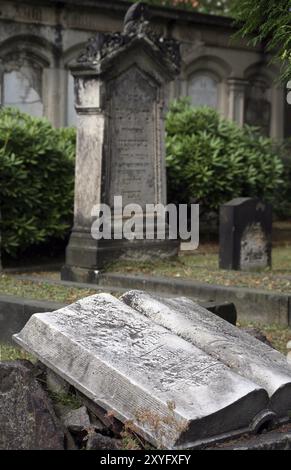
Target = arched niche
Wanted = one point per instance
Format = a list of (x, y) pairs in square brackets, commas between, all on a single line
[(202, 89), (22, 62), (204, 81), (22, 84)]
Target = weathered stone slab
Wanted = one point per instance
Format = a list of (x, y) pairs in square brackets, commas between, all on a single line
[(238, 350), (133, 134), (245, 230), (174, 393), (27, 418)]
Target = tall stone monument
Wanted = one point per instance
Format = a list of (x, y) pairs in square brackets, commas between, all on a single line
[(120, 88)]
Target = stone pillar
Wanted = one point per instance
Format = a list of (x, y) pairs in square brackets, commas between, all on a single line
[(277, 112), (54, 97), (82, 249), (236, 98), (120, 89)]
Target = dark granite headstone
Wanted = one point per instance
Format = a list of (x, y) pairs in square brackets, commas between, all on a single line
[(245, 230)]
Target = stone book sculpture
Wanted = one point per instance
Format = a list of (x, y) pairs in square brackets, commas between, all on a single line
[(177, 394), (238, 350)]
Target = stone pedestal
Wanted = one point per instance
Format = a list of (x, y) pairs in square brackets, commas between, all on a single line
[(119, 96), (245, 232)]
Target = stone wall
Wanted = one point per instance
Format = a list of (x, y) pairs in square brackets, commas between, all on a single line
[(40, 39)]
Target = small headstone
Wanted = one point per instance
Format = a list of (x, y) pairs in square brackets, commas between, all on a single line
[(245, 232), (140, 372), (28, 420)]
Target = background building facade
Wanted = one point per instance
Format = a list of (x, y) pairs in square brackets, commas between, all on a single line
[(40, 39)]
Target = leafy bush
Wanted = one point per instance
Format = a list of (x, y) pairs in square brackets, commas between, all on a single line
[(36, 180), (211, 160)]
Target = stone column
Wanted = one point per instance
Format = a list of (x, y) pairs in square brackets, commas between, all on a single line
[(120, 89), (277, 112), (82, 249), (236, 87)]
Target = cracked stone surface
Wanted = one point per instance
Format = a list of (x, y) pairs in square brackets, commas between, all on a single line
[(224, 342), (175, 393)]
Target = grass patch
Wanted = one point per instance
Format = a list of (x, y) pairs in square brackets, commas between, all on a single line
[(202, 266), (11, 353), (41, 290), (68, 400)]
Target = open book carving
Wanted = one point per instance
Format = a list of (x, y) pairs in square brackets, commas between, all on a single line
[(238, 350), (177, 394)]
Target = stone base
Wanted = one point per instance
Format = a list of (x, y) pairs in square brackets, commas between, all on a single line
[(85, 257)]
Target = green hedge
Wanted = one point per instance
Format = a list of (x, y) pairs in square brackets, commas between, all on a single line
[(211, 160), (36, 180)]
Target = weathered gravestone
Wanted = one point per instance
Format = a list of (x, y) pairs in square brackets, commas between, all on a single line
[(120, 93), (245, 231), (176, 395)]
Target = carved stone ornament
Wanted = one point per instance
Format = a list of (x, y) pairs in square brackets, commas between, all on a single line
[(136, 27)]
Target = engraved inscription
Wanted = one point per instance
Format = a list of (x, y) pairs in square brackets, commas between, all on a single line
[(149, 348), (128, 364), (254, 253), (132, 138)]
